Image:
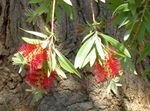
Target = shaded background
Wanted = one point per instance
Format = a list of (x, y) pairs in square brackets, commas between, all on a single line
[(71, 94)]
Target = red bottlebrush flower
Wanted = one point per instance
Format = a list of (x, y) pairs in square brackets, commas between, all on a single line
[(110, 68), (26, 49), (113, 66), (99, 72), (40, 80), (38, 61), (34, 54)]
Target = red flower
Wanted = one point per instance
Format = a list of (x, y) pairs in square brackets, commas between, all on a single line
[(26, 49), (113, 66), (100, 73), (110, 69), (40, 80), (34, 54)]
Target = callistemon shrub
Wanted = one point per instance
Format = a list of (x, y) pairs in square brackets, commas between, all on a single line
[(109, 68), (34, 54), (36, 57), (39, 79)]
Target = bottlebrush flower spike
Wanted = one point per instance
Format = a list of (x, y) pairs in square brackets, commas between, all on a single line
[(99, 72), (39, 79), (113, 65), (34, 54), (110, 68)]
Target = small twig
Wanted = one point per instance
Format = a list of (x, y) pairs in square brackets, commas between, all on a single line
[(53, 15), (93, 13)]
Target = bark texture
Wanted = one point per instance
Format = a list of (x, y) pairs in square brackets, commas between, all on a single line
[(71, 94)]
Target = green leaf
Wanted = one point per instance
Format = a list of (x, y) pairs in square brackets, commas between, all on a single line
[(68, 9), (87, 36), (60, 73), (32, 41), (18, 59), (116, 44), (141, 34), (127, 64), (103, 1), (146, 72), (99, 47), (38, 34), (144, 53), (83, 52), (58, 14), (65, 63), (48, 18), (53, 61), (90, 58), (68, 2), (42, 7), (49, 63), (121, 8)]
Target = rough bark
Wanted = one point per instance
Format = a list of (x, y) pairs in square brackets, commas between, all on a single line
[(71, 94)]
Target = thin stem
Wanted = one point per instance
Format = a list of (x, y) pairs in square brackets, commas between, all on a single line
[(92, 8), (53, 15)]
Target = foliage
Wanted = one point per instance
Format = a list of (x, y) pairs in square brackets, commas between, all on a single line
[(134, 16), (98, 49)]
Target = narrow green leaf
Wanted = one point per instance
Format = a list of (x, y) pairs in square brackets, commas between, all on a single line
[(65, 63), (116, 44), (122, 8), (83, 52), (104, 1), (68, 2), (60, 73), (32, 41), (144, 53), (87, 36), (90, 58), (48, 18), (38, 34), (42, 7), (146, 72), (18, 59), (99, 47), (49, 63), (127, 64), (53, 61)]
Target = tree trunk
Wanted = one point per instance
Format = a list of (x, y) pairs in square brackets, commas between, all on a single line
[(71, 94)]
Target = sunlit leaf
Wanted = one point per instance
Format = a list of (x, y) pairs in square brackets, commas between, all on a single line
[(116, 44), (60, 73), (83, 52), (90, 58), (99, 47), (38, 34), (121, 8), (32, 41), (18, 59), (68, 2), (53, 61), (87, 36), (65, 63)]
